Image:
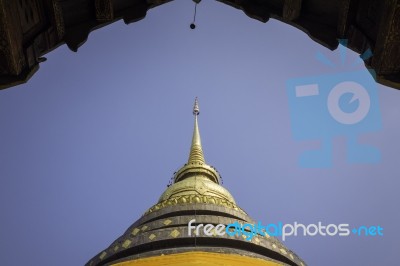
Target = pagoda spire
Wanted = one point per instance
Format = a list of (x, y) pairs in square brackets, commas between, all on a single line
[(196, 151), (196, 165)]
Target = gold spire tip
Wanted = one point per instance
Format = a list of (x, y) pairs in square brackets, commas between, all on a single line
[(196, 110), (196, 151)]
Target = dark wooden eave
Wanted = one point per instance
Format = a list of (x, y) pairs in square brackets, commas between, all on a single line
[(31, 28)]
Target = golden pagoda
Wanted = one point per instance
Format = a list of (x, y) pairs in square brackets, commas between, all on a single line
[(186, 226)]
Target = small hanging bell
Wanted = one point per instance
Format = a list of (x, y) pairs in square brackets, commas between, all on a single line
[(192, 25)]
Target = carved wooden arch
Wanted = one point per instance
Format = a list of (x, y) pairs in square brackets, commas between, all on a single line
[(366, 24)]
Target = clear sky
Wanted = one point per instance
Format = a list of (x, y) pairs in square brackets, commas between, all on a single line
[(90, 143)]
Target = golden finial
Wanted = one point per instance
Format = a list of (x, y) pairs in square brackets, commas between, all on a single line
[(196, 165), (196, 151), (196, 110)]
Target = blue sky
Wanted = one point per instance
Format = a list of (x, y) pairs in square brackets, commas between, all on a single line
[(90, 143)]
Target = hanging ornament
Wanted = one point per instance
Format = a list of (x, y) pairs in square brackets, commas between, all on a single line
[(193, 25)]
